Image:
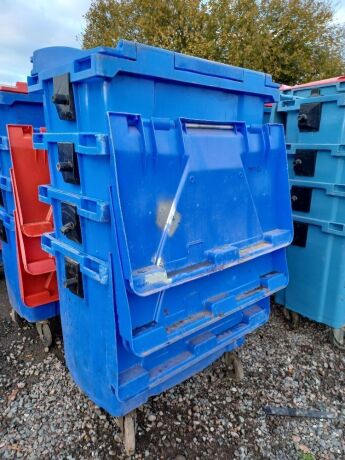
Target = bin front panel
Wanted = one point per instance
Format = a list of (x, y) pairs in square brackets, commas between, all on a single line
[(172, 213), (101, 360), (195, 197)]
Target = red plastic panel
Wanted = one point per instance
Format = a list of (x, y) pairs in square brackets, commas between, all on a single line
[(36, 290), (20, 87), (30, 169), (37, 271), (35, 260)]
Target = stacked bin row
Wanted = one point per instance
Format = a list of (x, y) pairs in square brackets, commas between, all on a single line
[(172, 213), (314, 118), (29, 272)]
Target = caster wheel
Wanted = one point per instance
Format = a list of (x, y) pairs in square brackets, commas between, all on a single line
[(338, 338), (127, 425), (234, 364), (16, 319), (292, 317), (44, 333), (294, 320), (286, 314)]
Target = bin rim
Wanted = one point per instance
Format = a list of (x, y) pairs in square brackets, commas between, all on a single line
[(326, 81), (19, 87)]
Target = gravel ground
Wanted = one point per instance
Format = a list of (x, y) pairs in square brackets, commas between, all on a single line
[(44, 415)]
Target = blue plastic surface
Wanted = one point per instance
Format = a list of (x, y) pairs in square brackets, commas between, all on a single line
[(323, 88), (17, 108), (332, 126), (316, 289), (267, 113), (316, 262), (184, 213)]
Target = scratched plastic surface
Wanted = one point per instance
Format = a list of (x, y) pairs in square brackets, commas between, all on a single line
[(18, 107), (171, 210)]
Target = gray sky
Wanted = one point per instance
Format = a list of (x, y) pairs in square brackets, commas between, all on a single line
[(26, 25)]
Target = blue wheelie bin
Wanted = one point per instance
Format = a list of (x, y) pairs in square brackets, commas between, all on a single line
[(314, 115), (172, 215), (18, 108)]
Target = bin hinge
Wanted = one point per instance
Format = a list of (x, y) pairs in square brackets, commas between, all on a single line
[(73, 277), (300, 234), (70, 222), (63, 97), (304, 163), (68, 162), (309, 116), (301, 198)]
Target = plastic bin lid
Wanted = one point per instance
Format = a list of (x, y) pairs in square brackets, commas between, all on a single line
[(19, 87), (153, 61), (53, 56)]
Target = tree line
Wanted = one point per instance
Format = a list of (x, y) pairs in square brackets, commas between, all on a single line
[(294, 40)]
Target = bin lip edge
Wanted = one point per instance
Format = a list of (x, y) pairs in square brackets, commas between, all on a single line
[(325, 82), (18, 87)]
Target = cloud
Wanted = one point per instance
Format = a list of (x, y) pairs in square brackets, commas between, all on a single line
[(29, 25)]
